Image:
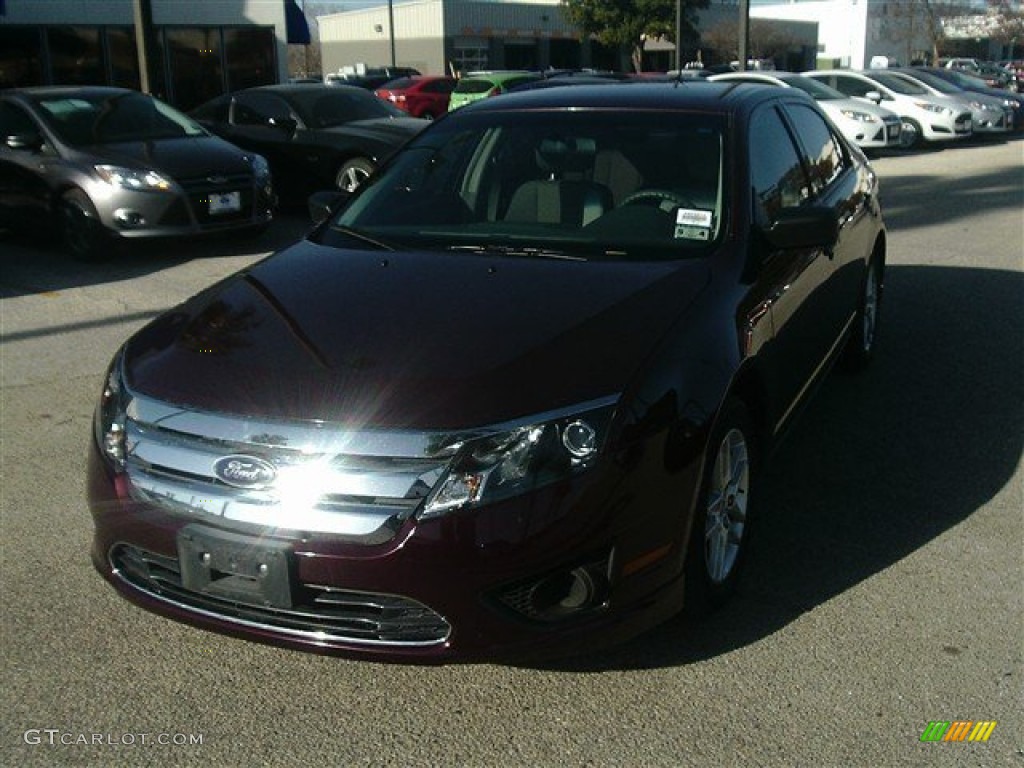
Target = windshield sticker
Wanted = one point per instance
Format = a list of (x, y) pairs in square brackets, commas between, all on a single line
[(692, 233), (693, 217)]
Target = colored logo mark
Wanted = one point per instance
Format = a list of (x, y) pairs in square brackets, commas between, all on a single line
[(958, 730)]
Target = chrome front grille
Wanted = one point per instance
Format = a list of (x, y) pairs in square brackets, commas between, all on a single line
[(358, 484), (319, 613)]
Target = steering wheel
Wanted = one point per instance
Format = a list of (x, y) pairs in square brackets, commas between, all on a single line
[(658, 197)]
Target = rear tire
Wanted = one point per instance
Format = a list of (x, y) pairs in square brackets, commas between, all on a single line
[(860, 347), (720, 535)]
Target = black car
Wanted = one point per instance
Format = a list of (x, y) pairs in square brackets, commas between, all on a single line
[(314, 136), (515, 396), (109, 165)]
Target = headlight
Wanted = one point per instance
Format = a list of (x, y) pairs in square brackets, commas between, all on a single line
[(109, 422), (133, 178), (519, 460), (861, 117), (260, 167), (932, 107)]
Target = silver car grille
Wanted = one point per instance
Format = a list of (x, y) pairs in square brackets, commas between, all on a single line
[(319, 478)]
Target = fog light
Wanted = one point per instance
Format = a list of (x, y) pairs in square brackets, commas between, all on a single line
[(565, 593), (128, 218)]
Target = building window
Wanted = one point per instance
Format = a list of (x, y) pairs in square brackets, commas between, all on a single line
[(75, 55), (249, 53), (123, 57), (21, 57), (471, 55), (197, 72)]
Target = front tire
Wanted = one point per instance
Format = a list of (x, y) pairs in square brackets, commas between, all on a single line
[(81, 229), (910, 134), (720, 534), (353, 173)]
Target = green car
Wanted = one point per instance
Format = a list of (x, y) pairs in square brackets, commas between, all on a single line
[(480, 85)]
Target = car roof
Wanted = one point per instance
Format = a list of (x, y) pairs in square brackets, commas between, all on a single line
[(58, 91), (658, 96)]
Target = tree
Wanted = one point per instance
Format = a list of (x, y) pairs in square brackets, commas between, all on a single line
[(912, 20), (627, 23), (1007, 24)]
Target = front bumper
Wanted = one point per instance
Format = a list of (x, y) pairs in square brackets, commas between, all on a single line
[(461, 587), (190, 207)]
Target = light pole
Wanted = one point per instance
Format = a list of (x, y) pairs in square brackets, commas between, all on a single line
[(391, 29), (744, 33)]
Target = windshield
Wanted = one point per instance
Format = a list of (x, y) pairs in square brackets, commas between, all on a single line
[(104, 118), (818, 91), (937, 83), (898, 84), (574, 184)]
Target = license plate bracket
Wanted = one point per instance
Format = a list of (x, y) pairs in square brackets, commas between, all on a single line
[(235, 567), (225, 202)]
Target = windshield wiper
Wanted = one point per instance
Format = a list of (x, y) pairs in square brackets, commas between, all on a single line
[(357, 235), (516, 250)]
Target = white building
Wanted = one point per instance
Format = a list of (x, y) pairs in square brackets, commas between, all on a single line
[(853, 32)]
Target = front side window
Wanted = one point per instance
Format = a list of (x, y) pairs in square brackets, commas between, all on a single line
[(776, 173), (582, 184), (258, 108), (823, 155)]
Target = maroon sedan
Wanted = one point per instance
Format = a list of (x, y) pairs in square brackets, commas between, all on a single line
[(513, 396), (423, 96)]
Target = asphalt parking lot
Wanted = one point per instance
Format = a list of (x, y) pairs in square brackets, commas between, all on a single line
[(885, 590)]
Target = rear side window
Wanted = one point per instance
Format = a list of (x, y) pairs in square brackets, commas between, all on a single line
[(776, 173), (852, 86), (473, 86), (823, 155)]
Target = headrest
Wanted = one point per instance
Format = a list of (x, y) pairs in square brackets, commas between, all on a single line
[(560, 154)]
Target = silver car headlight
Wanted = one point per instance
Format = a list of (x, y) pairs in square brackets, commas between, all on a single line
[(110, 417), (518, 460), (136, 179), (861, 117), (932, 107)]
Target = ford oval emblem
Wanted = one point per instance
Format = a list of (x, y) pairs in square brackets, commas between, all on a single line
[(247, 472)]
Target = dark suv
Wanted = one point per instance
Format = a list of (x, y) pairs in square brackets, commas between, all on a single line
[(513, 396)]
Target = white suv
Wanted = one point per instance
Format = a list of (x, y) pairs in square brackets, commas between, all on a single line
[(925, 117)]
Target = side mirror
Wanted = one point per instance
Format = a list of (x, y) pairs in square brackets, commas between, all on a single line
[(810, 227), (286, 125), (31, 142), (875, 96), (322, 204)]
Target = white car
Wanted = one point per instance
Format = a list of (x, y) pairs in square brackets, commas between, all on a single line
[(869, 126), (988, 113), (925, 117)]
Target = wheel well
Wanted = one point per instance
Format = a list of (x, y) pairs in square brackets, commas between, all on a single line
[(750, 389)]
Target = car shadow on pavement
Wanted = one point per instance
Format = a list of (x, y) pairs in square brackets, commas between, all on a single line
[(878, 466), (36, 263)]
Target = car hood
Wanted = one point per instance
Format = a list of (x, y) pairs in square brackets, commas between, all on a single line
[(179, 158), (387, 129), (410, 340), (838, 105)]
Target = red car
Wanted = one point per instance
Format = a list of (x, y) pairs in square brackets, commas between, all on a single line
[(419, 95)]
